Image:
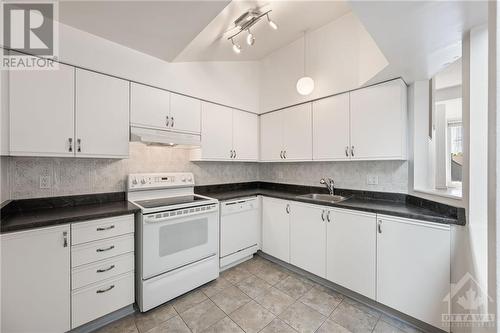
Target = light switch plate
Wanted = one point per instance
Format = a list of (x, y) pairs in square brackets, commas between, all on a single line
[(44, 181), (372, 180)]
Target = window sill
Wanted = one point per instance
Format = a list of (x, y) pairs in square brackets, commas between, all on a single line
[(454, 193)]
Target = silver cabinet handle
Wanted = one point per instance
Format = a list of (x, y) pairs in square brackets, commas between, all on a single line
[(105, 228), (106, 249), (352, 151), (287, 208), (379, 226), (100, 291), (328, 216), (70, 141), (79, 145), (231, 153), (235, 154), (284, 154), (105, 269), (323, 215), (281, 154), (347, 151), (65, 239), (172, 124), (167, 121)]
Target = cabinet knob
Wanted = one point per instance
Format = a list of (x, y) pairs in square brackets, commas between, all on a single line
[(328, 216), (167, 121), (379, 226), (347, 151), (79, 145), (287, 208), (70, 141), (172, 123), (323, 215), (352, 151)]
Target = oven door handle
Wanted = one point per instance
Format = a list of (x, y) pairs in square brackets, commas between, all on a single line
[(175, 218)]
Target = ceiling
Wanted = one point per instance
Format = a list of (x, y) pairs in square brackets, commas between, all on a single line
[(419, 38), (450, 76), (158, 28), (292, 18)]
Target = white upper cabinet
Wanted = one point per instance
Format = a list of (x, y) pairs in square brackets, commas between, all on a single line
[(413, 267), (287, 134), (271, 137), (378, 121), (297, 132), (245, 136), (185, 113), (227, 134), (350, 256), (308, 238), (331, 128), (216, 132), (35, 289), (102, 115), (42, 112), (149, 107)]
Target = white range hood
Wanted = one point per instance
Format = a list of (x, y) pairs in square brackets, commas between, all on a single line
[(164, 138)]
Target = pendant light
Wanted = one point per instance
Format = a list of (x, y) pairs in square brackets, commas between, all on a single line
[(305, 85)]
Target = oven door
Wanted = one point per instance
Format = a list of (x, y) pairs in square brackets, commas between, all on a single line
[(175, 241)]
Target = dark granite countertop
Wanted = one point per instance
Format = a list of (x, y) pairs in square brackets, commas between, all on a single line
[(394, 204), (37, 213)]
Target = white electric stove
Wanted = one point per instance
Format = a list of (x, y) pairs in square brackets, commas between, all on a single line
[(177, 237)]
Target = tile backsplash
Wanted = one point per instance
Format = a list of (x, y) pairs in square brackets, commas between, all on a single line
[(392, 176), (20, 176)]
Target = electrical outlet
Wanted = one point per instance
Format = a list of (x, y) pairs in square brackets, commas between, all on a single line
[(372, 180), (44, 181)]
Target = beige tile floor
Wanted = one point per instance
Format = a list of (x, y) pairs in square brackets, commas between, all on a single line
[(260, 296)]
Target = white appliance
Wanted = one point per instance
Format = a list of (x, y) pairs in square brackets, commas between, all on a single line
[(240, 230), (176, 237)]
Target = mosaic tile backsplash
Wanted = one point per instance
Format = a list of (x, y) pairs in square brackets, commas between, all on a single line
[(20, 176)]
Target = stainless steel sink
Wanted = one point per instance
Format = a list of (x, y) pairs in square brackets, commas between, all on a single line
[(323, 197)]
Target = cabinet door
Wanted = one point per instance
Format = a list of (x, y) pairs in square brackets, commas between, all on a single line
[(245, 136), (413, 267), (36, 280), (102, 115), (350, 256), (331, 128), (378, 120), (185, 113), (149, 107), (297, 132), (276, 228), (271, 136), (216, 132), (42, 112), (308, 238)]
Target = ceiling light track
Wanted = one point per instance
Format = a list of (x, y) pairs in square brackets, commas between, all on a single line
[(245, 22)]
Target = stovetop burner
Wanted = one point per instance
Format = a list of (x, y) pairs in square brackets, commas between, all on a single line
[(171, 201)]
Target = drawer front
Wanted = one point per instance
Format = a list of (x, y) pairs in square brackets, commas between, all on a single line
[(102, 270), (103, 249), (90, 231), (100, 299)]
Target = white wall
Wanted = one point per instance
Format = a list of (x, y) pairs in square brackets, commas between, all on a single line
[(340, 56), (234, 84)]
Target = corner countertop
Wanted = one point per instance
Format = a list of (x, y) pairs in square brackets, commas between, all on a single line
[(36, 213), (394, 204)]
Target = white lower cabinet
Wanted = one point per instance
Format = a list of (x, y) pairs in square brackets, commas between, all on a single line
[(35, 289), (102, 267), (276, 228), (413, 267), (350, 250), (308, 238)]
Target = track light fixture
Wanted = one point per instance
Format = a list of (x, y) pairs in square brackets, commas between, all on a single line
[(244, 23)]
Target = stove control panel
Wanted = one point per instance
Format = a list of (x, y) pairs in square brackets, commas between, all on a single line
[(146, 181)]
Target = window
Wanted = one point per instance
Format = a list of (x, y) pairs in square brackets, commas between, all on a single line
[(455, 135)]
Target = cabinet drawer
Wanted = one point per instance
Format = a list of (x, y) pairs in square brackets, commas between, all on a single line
[(105, 269), (100, 299), (103, 228), (103, 249)]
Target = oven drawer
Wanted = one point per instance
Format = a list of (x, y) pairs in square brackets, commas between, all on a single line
[(102, 270), (84, 232), (102, 298), (90, 252)]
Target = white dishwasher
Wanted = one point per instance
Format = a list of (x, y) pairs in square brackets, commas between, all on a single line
[(240, 230)]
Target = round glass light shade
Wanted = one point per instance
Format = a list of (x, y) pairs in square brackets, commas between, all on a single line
[(305, 85)]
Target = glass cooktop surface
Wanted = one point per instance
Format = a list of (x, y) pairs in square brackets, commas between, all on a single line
[(170, 201)]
